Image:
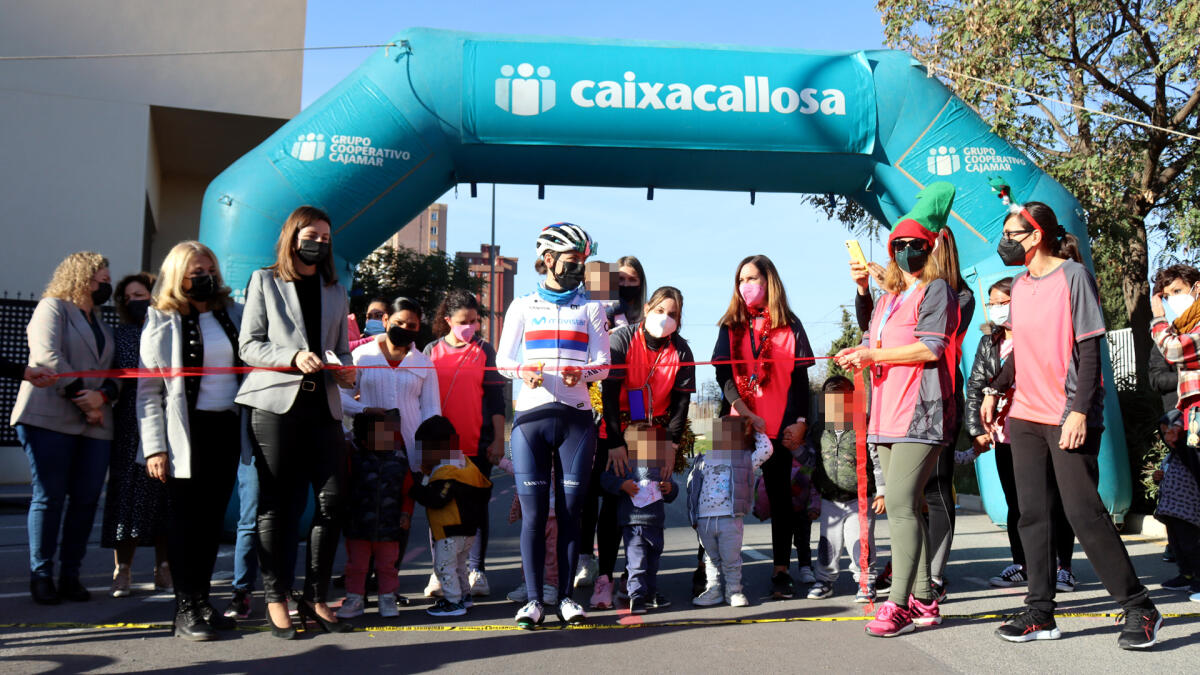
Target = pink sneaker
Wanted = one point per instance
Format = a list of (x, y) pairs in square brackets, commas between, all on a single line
[(890, 620), (602, 594), (923, 614)]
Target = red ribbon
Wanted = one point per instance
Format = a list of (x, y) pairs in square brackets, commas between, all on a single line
[(137, 373)]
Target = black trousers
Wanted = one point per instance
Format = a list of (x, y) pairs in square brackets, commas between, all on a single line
[(1184, 539), (939, 496), (297, 453), (1064, 536), (600, 516), (777, 478), (1041, 465), (196, 505)]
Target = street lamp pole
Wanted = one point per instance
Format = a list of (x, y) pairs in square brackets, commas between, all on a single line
[(492, 275)]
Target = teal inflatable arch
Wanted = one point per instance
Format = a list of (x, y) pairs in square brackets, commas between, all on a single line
[(442, 108)]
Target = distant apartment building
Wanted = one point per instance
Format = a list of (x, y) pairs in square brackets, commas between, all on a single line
[(497, 292), (424, 234)]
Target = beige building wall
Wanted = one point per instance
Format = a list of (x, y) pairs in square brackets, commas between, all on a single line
[(426, 233)]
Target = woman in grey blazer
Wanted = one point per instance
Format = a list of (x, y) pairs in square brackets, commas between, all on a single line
[(67, 429), (295, 320), (191, 427)]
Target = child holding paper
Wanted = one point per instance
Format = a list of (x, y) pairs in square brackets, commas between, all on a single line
[(641, 512)]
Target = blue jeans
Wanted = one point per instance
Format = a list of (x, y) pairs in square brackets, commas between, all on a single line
[(67, 471), (245, 553)]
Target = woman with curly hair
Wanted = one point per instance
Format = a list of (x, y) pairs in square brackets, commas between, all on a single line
[(67, 429)]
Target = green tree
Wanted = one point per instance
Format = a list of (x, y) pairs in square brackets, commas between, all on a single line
[(392, 272), (851, 336), (1135, 59)]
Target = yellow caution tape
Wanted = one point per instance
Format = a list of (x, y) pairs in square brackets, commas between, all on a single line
[(692, 623)]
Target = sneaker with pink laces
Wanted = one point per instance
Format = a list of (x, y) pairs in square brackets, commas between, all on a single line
[(602, 592), (890, 620), (923, 614)]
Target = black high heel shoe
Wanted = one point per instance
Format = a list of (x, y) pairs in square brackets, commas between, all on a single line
[(288, 633), (308, 612)]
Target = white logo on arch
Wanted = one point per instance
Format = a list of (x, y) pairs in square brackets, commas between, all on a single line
[(309, 147), (943, 161), (524, 94)]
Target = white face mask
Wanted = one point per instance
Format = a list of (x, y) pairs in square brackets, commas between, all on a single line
[(660, 325), (1000, 314), (1180, 303)]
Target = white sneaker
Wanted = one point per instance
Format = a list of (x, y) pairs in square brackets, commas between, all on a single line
[(1194, 597), (586, 576), (518, 594), (479, 584), (434, 588), (571, 612), (739, 600), (807, 576), (530, 615), (387, 605), (352, 606), (711, 596)]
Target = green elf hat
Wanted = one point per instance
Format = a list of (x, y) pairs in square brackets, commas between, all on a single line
[(1004, 192), (928, 216)]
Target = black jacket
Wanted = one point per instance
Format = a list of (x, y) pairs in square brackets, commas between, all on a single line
[(1164, 379), (985, 369), (379, 493)]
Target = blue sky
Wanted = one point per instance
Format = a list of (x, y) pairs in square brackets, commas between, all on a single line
[(692, 240)]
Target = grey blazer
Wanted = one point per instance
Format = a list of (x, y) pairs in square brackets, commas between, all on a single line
[(162, 405), (61, 339), (273, 333)]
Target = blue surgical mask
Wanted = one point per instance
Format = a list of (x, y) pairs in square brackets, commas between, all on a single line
[(374, 327)]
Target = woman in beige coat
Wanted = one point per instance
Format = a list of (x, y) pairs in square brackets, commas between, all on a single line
[(67, 429)]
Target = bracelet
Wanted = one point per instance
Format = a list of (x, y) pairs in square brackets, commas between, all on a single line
[(988, 391)]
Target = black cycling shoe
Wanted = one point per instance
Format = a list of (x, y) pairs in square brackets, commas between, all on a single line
[(1141, 628), (637, 605), (43, 591), (659, 601), (1029, 624), (782, 586)]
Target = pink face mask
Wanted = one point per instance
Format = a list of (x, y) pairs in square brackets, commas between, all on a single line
[(464, 332), (754, 295)]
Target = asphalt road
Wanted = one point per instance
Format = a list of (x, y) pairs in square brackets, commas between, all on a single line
[(794, 635)]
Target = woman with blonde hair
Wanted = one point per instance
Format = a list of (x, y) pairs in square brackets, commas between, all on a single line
[(295, 320), (191, 430), (67, 428), (762, 356), (910, 347)]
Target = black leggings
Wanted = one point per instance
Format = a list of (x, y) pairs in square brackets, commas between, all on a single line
[(563, 438), (777, 478), (1042, 465), (196, 505), (1064, 536), (296, 453), (939, 496), (599, 526)]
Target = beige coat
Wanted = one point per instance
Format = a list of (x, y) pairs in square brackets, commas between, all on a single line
[(61, 339), (273, 333)]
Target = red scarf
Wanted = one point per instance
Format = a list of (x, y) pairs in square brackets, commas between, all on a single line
[(751, 378)]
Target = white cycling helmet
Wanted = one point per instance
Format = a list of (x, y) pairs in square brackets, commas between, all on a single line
[(564, 237)]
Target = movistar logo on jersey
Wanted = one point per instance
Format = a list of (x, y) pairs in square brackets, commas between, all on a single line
[(675, 97)]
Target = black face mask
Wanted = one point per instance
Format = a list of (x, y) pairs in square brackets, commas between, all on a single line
[(137, 310), (401, 337), (629, 294), (910, 258), (312, 252), (102, 294), (1011, 252), (570, 275), (204, 287)]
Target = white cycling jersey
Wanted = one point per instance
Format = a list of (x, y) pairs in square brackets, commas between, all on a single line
[(537, 331)]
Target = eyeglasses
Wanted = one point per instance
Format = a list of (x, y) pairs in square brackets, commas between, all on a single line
[(1012, 235), (914, 245)]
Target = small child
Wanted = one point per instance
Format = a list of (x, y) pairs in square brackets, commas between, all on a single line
[(641, 512), (454, 494), (836, 478), (379, 511), (720, 493)]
